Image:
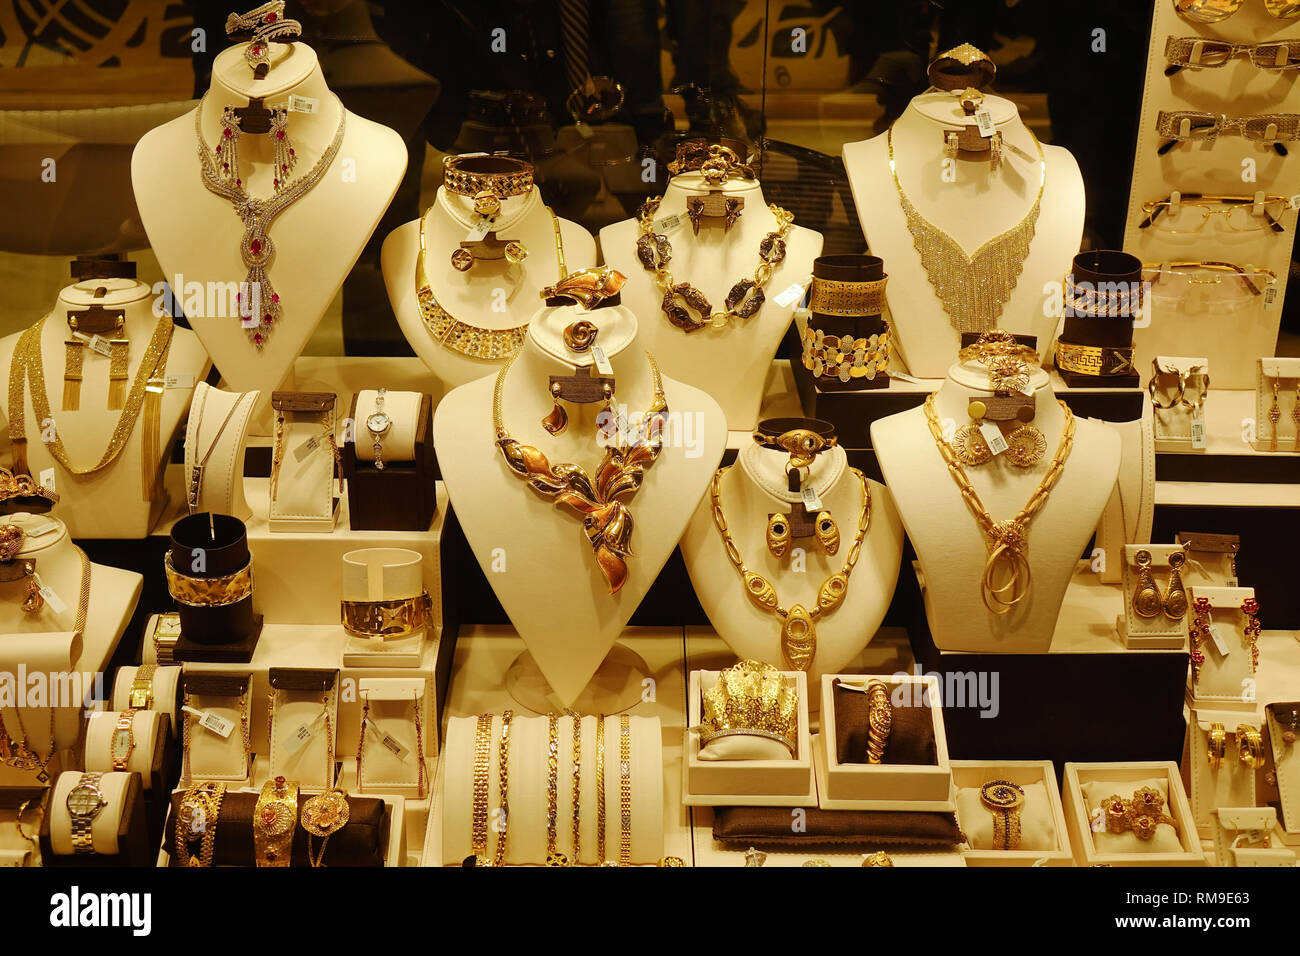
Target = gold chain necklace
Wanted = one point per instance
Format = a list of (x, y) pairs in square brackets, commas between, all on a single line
[(475, 341), (798, 624), (605, 519), (685, 305), (971, 289), (146, 391), (223, 178), (1007, 541)]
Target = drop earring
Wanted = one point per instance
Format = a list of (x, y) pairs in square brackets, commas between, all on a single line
[(34, 600), (284, 155), (778, 534), (950, 145), (557, 420), (1147, 599), (1295, 416), (1274, 414), (828, 532), (1176, 595)]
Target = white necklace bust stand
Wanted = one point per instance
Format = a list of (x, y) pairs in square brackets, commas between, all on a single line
[(536, 555), (197, 234), (491, 295), (949, 543), (975, 208), (751, 490), (732, 363), (221, 484), (45, 642), (111, 502)]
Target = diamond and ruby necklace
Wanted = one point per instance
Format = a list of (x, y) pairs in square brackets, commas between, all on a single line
[(259, 304)]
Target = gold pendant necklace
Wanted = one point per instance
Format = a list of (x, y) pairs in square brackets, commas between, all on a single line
[(798, 624), (1007, 541), (605, 518), (491, 345), (971, 289)]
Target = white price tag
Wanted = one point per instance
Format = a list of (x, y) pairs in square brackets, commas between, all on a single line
[(1294, 201), (302, 104), (96, 343), (51, 596), (667, 223), (179, 381), (811, 500), (904, 377), (388, 741), (601, 360), (480, 227), (307, 447), (47, 479), (1270, 297), (37, 526), (1198, 429), (214, 722), (790, 295), (1220, 644), (984, 120), (302, 735), (993, 435)]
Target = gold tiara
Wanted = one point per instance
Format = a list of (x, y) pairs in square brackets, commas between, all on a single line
[(754, 699)]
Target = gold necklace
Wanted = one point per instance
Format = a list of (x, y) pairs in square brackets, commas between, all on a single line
[(1007, 541), (798, 624), (491, 345), (746, 297), (222, 177), (605, 519), (146, 391), (971, 289)]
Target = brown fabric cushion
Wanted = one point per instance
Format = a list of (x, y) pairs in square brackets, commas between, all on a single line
[(771, 825), (911, 739), (360, 843)]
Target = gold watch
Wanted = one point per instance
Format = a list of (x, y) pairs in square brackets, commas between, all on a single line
[(141, 694), (122, 744), (274, 819)]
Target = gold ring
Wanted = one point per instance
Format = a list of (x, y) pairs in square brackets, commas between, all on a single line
[(1250, 746), (1216, 744), (879, 858), (580, 336)]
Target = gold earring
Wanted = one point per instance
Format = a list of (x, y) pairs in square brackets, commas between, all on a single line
[(828, 532), (34, 600), (1274, 413), (1026, 446), (1176, 596), (969, 446), (778, 534), (1147, 600), (557, 420), (1295, 416)]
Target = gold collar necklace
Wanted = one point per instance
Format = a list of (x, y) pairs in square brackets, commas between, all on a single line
[(605, 519), (220, 172), (971, 289)]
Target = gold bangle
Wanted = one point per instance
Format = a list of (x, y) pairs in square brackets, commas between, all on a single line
[(842, 357), (503, 787), (1004, 799), (836, 297), (1250, 746), (553, 856), (482, 763), (1216, 739), (18, 485), (995, 343), (600, 788), (625, 789), (961, 67), (880, 720), (1093, 359), (499, 176), (208, 592), (274, 818), (389, 620), (198, 813)]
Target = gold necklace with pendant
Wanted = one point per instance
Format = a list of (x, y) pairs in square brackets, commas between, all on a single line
[(798, 624)]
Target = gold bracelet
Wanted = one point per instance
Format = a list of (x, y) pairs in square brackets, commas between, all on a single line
[(503, 787), (208, 592), (491, 179), (842, 357), (482, 763), (995, 343), (880, 720), (600, 788), (1004, 799), (836, 297), (625, 789), (274, 818), (553, 856), (577, 788), (198, 813), (1093, 359), (390, 620), (1250, 746), (140, 696)]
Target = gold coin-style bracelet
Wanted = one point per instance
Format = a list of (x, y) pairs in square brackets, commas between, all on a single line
[(997, 343), (625, 789), (482, 763), (503, 787), (836, 297), (842, 356), (600, 788), (208, 592)]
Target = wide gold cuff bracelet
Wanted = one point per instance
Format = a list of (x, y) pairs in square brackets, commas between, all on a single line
[(1093, 359), (386, 619), (208, 592), (835, 297)]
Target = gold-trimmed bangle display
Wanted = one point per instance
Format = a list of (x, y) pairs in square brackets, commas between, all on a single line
[(482, 788), (1093, 359), (208, 592), (274, 819), (386, 619), (625, 790), (837, 297), (842, 356), (503, 788)]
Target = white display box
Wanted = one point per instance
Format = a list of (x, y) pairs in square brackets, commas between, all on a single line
[(853, 786), (1228, 823), (975, 773), (1125, 775), (748, 783)]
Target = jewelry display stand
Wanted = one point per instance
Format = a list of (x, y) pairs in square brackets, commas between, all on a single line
[(16, 849), (1238, 88), (1042, 818), (751, 490), (495, 295), (1177, 845), (1239, 835), (734, 361), (1211, 558), (1284, 436), (214, 568), (302, 728), (327, 227), (395, 741), (118, 832), (383, 574), (1159, 630), (150, 732), (1286, 765), (304, 493), (535, 555), (975, 208), (88, 432), (1175, 426), (1230, 785), (216, 433), (1227, 679), (209, 755), (1130, 513), (400, 496)]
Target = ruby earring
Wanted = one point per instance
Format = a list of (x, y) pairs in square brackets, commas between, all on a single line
[(284, 155)]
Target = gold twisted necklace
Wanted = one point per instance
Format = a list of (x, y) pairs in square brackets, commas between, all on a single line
[(798, 624), (1007, 541), (972, 289), (605, 518)]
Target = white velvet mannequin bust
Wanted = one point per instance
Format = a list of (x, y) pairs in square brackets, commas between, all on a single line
[(951, 546), (731, 363), (971, 210), (85, 432), (197, 234), (536, 555), (751, 490), (475, 296)]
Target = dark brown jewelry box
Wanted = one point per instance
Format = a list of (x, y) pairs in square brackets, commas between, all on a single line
[(770, 826), (403, 495), (911, 738)]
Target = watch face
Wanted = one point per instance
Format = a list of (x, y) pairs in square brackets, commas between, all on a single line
[(122, 744), (378, 423), (84, 801)]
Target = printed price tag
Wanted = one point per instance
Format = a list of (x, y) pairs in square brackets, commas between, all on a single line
[(1270, 297), (47, 479), (602, 362), (214, 722), (179, 381), (1220, 643), (984, 120), (388, 741), (904, 377), (993, 435), (307, 447), (51, 596), (96, 343), (302, 734), (811, 500), (667, 223), (1198, 429), (1294, 201), (303, 104), (37, 526), (480, 227), (790, 295)]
